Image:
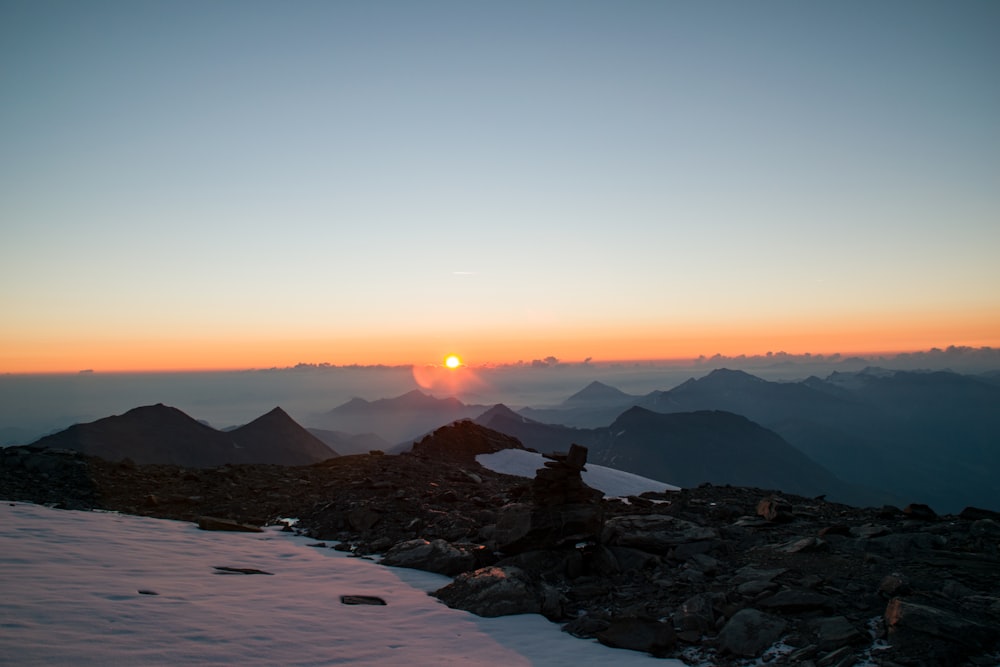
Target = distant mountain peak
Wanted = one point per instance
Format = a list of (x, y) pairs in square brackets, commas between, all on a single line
[(275, 417), (411, 400), (499, 410), (501, 414), (413, 394), (636, 412), (356, 403), (730, 375), (155, 409), (597, 391)]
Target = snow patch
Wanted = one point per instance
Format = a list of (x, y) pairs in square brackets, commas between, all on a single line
[(88, 588), (614, 483)]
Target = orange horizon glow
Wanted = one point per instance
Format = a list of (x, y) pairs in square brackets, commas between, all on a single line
[(133, 355)]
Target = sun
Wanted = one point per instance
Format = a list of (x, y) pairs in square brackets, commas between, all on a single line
[(452, 361)]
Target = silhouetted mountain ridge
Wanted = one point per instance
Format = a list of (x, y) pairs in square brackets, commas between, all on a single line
[(166, 435), (411, 400), (399, 419), (918, 435), (687, 449), (714, 446), (545, 438)]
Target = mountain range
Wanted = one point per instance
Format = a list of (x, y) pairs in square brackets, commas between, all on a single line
[(403, 418), (871, 437), (162, 434), (928, 435), (688, 449), (888, 436)]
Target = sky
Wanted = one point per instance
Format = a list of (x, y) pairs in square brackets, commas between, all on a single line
[(72, 584), (248, 184)]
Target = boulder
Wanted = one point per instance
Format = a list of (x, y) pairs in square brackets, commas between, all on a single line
[(634, 559), (755, 587), (704, 563), (639, 634), (500, 591), (523, 527), (586, 626), (796, 600), (434, 556), (750, 632), (973, 513), (905, 619), (363, 518), (869, 530), (549, 564), (698, 612), (775, 509), (893, 585), (214, 523), (905, 544), (986, 528), (920, 512), (835, 632), (656, 533), (804, 545)]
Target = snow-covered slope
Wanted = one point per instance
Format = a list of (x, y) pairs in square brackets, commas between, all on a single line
[(613, 483), (87, 588)]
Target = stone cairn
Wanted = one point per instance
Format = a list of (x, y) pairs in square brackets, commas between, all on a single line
[(560, 481), (563, 510)]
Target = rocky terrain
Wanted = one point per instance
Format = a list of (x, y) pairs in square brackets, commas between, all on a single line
[(713, 574)]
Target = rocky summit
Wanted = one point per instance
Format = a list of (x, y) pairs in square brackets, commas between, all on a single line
[(710, 575)]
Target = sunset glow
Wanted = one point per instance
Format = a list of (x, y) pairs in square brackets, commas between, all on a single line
[(158, 353), (686, 180)]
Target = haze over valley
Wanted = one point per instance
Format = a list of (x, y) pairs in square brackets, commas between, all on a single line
[(857, 433)]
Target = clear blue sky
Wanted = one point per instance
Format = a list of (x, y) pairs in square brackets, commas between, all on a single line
[(187, 184)]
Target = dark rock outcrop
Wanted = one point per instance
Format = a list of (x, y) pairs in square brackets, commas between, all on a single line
[(462, 441), (500, 591)]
